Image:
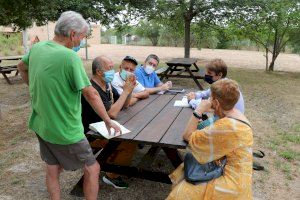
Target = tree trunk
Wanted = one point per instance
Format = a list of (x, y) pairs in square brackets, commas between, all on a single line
[(267, 58), (154, 41), (187, 37), (271, 66)]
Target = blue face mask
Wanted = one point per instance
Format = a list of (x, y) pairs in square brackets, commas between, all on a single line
[(76, 49), (109, 75), (123, 74)]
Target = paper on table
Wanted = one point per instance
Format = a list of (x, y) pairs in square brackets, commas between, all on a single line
[(100, 128), (182, 103)]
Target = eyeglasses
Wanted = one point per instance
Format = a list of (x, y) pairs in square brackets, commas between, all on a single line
[(152, 64)]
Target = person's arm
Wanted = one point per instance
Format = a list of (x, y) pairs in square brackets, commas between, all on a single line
[(124, 99), (132, 101), (205, 94), (190, 128), (23, 69), (139, 91), (118, 105), (92, 97), (154, 90), (141, 95), (205, 106), (160, 87)]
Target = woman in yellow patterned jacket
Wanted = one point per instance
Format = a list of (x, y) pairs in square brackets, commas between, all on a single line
[(229, 136)]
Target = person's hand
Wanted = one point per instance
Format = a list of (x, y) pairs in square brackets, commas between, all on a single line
[(204, 106), (110, 124), (131, 77), (129, 84), (191, 95), (166, 86), (169, 83)]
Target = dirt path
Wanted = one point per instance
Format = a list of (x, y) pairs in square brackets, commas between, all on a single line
[(234, 58)]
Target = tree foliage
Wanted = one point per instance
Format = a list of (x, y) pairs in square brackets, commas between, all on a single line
[(149, 29), (193, 11), (22, 13), (267, 23)]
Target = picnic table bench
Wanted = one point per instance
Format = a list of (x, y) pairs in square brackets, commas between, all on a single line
[(9, 68), (153, 121), (180, 66)]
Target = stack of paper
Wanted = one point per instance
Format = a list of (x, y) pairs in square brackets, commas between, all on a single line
[(182, 103), (100, 128)]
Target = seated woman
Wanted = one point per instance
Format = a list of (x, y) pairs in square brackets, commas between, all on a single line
[(229, 136)]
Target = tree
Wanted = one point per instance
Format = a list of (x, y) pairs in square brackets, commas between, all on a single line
[(205, 11), (149, 29), (267, 23), (172, 31), (23, 13), (295, 39)]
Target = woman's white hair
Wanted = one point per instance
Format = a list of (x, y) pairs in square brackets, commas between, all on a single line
[(71, 21)]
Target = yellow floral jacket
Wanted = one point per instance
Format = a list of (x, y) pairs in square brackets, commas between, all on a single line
[(226, 137)]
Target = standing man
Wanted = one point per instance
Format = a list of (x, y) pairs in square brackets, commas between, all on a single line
[(148, 78), (56, 79)]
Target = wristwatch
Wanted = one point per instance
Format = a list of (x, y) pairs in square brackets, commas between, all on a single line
[(197, 115)]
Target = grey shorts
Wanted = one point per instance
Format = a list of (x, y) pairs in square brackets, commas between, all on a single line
[(70, 157)]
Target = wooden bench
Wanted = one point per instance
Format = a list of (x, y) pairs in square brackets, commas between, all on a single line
[(8, 67), (7, 70), (161, 70)]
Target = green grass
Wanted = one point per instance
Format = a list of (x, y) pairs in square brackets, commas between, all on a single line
[(294, 138), (289, 154), (296, 127)]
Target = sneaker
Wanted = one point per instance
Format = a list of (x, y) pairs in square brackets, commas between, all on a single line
[(116, 182)]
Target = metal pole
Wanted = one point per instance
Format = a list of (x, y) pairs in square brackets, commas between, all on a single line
[(48, 31), (86, 48), (24, 35)]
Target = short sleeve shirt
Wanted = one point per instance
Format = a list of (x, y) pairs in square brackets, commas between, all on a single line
[(88, 114), (56, 78), (147, 80), (118, 84)]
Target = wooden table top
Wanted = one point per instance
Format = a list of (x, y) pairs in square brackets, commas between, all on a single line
[(182, 61), (19, 57), (155, 121)]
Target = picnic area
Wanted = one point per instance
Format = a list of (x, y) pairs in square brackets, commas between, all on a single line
[(272, 106), (206, 93)]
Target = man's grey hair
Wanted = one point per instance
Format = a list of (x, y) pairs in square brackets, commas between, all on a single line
[(152, 56), (71, 21), (98, 63)]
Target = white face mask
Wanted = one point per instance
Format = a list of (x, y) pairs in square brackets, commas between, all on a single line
[(149, 69)]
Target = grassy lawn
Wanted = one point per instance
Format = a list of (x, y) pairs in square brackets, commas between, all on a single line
[(272, 102)]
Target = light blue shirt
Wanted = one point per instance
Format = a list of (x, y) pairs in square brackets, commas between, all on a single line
[(147, 80), (206, 94)]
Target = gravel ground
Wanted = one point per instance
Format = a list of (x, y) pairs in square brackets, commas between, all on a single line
[(272, 105), (233, 58)]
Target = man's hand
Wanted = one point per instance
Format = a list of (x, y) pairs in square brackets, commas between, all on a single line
[(110, 124), (129, 84), (204, 106), (191, 95), (166, 86)]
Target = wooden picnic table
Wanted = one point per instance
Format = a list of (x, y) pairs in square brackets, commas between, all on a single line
[(153, 121), (8, 68), (180, 66)]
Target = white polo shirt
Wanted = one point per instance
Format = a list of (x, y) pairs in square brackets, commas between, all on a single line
[(118, 84)]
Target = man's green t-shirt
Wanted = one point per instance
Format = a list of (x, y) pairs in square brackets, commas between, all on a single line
[(56, 78)]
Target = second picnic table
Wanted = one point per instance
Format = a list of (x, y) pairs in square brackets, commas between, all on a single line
[(8, 68), (182, 65)]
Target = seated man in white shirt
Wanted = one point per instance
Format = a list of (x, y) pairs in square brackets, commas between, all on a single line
[(126, 70)]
